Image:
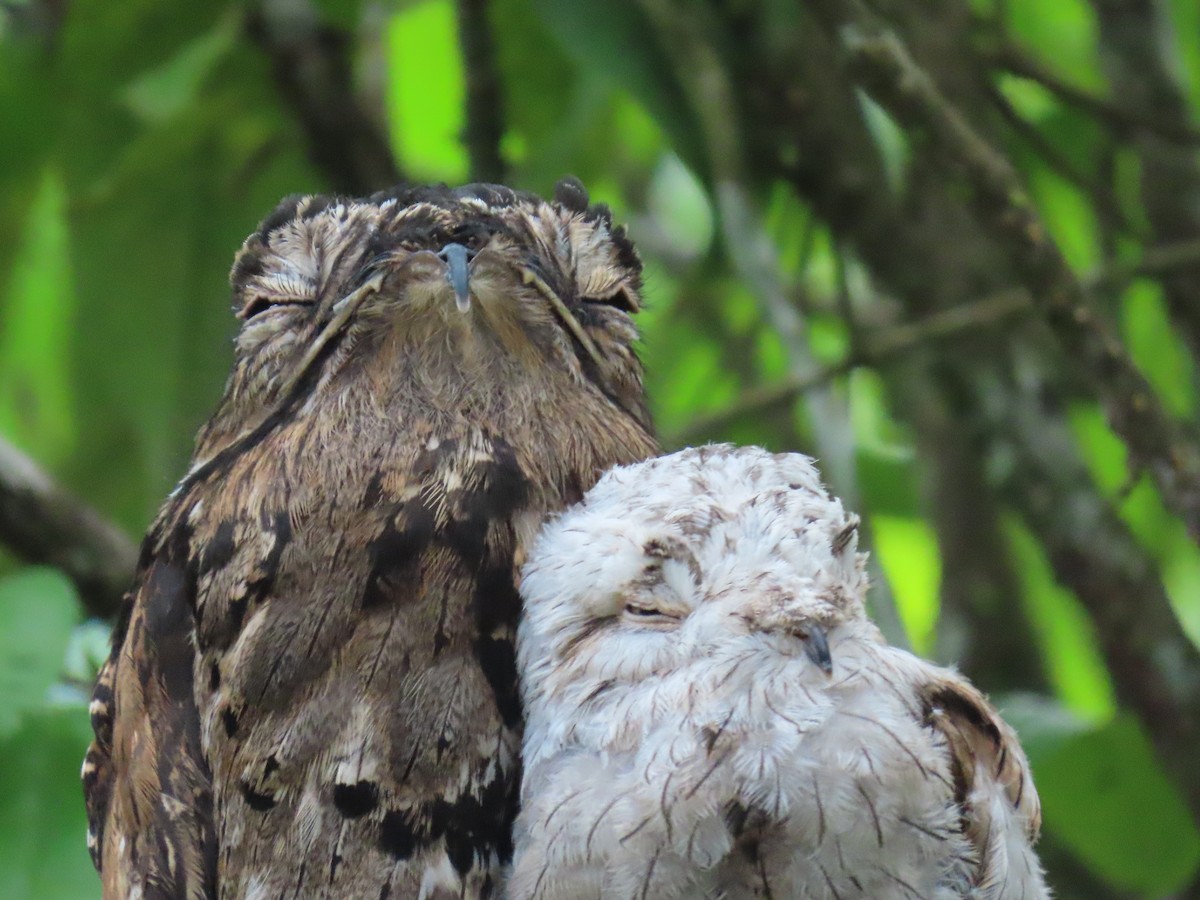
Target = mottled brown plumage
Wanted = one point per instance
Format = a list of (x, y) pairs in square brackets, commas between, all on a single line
[(312, 688)]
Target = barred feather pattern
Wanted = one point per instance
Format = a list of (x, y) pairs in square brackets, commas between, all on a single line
[(312, 690), (710, 713)]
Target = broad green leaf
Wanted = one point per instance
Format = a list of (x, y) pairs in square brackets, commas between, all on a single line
[(1157, 349), (1161, 533), (1105, 796), (425, 93), (1065, 632), (1068, 216), (43, 853), (36, 318), (907, 551), (38, 609), (1063, 35), (153, 243)]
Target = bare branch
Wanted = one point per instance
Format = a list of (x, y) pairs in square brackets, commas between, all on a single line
[(883, 65), (1136, 61), (44, 524), (883, 343), (485, 111), (1122, 119)]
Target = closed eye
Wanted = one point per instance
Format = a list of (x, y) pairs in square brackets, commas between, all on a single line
[(622, 300), (260, 304), (650, 615)]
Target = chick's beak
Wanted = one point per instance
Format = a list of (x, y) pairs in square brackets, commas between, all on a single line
[(457, 259), (816, 648)]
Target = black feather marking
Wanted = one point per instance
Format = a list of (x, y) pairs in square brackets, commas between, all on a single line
[(395, 555), (355, 800), (219, 550), (256, 800), (397, 835), (498, 659), (169, 626), (280, 215)]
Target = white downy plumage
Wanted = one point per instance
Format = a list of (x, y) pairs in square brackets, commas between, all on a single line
[(710, 713)]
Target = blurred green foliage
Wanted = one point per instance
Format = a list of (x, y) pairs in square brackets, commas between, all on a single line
[(140, 141)]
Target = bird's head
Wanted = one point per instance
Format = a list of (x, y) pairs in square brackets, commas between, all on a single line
[(489, 281), (703, 555)]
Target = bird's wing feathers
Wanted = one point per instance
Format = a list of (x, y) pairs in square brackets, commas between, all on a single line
[(147, 786), (992, 781)]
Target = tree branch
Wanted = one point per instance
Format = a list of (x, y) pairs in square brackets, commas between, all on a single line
[(1122, 119), (893, 78), (926, 249), (881, 344), (485, 111), (311, 64), (44, 524), (1132, 53), (686, 33)]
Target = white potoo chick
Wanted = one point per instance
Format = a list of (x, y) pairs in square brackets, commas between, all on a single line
[(710, 713)]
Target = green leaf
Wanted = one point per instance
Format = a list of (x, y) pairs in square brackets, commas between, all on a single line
[(1157, 348), (38, 609), (167, 90), (1066, 634), (1062, 34), (680, 207), (425, 92), (616, 42), (43, 854), (36, 321), (1105, 796), (907, 551)]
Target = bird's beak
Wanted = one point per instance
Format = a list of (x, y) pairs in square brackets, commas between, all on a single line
[(457, 259), (816, 648)]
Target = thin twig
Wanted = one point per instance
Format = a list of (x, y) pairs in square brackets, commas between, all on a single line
[(1122, 119), (883, 343), (873, 350), (1137, 62), (311, 64), (1106, 202), (484, 102), (883, 65), (44, 524)]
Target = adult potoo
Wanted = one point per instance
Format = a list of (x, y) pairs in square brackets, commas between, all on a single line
[(711, 713), (312, 690)]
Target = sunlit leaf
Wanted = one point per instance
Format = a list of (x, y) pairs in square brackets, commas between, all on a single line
[(908, 553), (36, 316), (1140, 505), (1064, 631), (1157, 348), (1063, 35), (425, 91)]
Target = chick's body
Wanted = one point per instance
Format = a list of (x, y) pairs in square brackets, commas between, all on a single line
[(711, 714)]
